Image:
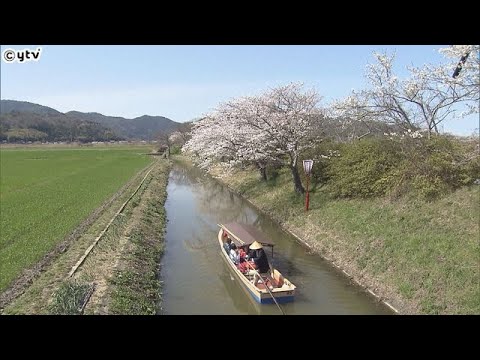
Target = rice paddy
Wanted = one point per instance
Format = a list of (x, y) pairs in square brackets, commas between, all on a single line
[(46, 193)]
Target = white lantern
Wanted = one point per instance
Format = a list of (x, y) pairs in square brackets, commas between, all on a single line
[(307, 166)]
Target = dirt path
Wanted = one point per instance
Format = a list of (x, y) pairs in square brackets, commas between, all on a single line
[(102, 262)]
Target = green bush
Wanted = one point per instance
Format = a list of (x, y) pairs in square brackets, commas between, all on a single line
[(322, 155), (439, 165), (369, 167), (16, 134), (273, 171), (175, 150), (427, 168)]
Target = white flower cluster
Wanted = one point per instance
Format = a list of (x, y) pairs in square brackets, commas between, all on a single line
[(256, 129), (409, 133), (427, 97)]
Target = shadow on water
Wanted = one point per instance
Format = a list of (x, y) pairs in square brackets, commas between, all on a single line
[(197, 281)]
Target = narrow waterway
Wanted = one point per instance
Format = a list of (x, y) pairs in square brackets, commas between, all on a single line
[(197, 281)]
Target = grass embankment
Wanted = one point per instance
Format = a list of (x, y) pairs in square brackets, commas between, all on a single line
[(51, 292), (422, 257), (135, 285), (46, 194)]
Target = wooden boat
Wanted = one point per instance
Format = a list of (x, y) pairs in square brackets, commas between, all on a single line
[(243, 235)]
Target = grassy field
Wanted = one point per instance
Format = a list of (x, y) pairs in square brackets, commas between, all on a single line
[(118, 250), (46, 193), (421, 256)]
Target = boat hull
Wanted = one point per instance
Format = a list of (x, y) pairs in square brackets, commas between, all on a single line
[(282, 295)]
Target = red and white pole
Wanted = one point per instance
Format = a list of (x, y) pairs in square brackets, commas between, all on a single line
[(307, 196)]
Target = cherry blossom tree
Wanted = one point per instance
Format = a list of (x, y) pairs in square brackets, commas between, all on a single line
[(270, 128), (424, 100), (251, 145), (227, 136), (208, 142), (288, 118), (464, 66)]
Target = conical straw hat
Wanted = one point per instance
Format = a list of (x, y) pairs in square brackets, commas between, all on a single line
[(256, 245)]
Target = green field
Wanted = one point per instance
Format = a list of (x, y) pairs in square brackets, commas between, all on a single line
[(46, 193)]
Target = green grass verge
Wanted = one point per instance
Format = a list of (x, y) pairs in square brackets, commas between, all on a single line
[(426, 255), (69, 298), (136, 288)]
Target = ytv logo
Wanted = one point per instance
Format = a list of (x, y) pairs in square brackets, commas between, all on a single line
[(21, 56)]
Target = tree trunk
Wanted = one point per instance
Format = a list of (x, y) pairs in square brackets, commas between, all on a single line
[(263, 171), (297, 183)]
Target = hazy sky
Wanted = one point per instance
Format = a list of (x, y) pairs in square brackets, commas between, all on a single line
[(184, 82)]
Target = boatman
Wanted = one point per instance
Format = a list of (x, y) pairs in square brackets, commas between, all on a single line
[(259, 257)]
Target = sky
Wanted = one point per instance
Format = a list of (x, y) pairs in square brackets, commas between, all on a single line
[(184, 82)]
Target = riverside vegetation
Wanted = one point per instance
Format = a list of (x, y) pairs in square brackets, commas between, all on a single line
[(394, 200), (401, 220)]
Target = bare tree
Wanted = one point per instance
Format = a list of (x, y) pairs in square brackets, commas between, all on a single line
[(429, 96), (183, 133), (164, 142)]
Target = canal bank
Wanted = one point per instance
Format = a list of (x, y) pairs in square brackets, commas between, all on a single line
[(417, 257), (310, 243)]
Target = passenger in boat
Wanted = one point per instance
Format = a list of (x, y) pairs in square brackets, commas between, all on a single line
[(233, 253), (227, 245), (241, 254), (242, 264), (259, 257)]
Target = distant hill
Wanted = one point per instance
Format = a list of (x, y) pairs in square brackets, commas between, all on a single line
[(18, 126), (144, 127), (28, 121), (8, 106)]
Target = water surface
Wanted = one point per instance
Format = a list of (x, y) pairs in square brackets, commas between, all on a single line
[(197, 281)]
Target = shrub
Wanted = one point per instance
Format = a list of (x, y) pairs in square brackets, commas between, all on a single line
[(427, 168), (175, 150), (322, 155), (439, 165), (273, 171), (369, 167)]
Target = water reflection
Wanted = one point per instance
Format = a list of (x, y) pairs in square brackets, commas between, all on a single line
[(236, 293), (197, 280)]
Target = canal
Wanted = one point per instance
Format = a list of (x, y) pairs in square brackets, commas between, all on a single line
[(197, 281)]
